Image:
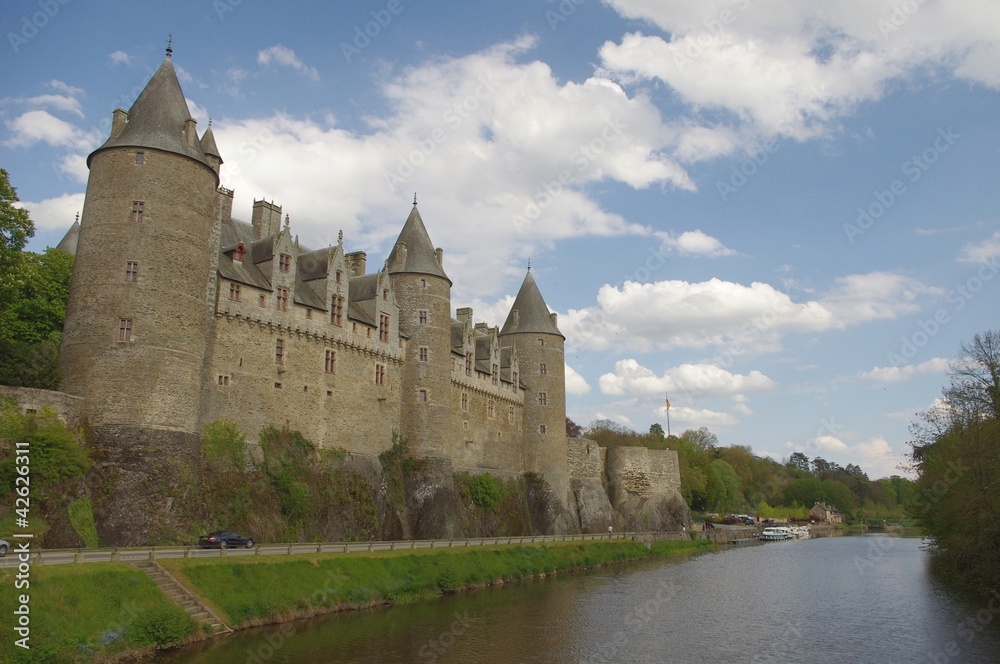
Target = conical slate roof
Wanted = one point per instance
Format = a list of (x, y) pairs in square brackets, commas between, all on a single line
[(157, 118), (208, 145), (71, 239), (529, 313), (414, 252)]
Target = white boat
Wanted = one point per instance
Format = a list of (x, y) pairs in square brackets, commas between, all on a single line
[(776, 533), (800, 532)]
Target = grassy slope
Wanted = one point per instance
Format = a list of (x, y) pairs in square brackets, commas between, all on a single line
[(100, 611), (89, 613), (260, 590)]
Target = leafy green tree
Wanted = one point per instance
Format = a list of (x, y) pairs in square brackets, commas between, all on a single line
[(16, 227), (957, 493), (799, 461), (656, 431), (40, 289)]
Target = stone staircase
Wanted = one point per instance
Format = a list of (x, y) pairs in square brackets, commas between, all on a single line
[(210, 623)]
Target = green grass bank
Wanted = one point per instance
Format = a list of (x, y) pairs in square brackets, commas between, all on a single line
[(104, 612)]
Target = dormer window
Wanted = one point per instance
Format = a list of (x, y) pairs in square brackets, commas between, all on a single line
[(238, 253), (385, 293), (284, 262)]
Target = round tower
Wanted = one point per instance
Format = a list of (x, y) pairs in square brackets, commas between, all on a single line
[(138, 316), (533, 332), (423, 291)]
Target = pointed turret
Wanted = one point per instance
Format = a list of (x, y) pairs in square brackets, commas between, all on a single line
[(531, 332), (423, 291), (72, 237), (159, 119), (414, 252), (529, 313)]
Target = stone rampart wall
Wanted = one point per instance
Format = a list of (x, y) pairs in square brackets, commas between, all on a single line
[(67, 407)]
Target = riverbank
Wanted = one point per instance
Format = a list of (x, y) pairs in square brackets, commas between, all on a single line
[(108, 612)]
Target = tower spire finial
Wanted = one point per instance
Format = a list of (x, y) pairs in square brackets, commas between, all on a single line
[(414, 199), (170, 45), (529, 265)]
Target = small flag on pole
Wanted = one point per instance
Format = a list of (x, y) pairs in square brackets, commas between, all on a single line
[(667, 397)]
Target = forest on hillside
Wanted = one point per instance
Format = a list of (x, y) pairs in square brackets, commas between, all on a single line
[(717, 479)]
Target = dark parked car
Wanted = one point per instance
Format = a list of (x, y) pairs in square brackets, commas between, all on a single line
[(223, 539)]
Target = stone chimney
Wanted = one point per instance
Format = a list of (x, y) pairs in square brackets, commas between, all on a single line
[(118, 121), (357, 262), (266, 219)]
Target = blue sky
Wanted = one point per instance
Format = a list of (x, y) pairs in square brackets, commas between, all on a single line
[(785, 214)]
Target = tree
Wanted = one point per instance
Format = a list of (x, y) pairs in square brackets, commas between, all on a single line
[(975, 376), (656, 430), (956, 498), (800, 461), (703, 439), (16, 229), (573, 430), (40, 289)]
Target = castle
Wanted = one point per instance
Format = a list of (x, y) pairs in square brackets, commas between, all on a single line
[(180, 315)]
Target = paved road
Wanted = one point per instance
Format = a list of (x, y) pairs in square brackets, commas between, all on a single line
[(64, 556)]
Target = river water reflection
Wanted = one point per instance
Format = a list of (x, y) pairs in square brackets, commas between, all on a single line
[(844, 599)]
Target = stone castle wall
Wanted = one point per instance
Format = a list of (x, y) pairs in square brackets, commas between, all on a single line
[(344, 409), (68, 408)]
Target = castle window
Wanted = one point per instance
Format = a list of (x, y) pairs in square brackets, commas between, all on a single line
[(309, 313), (132, 271), (336, 310), (468, 364), (385, 293), (125, 329), (279, 351), (282, 303), (541, 342), (423, 283), (262, 301), (514, 380), (542, 369), (422, 316), (224, 380), (368, 331), (496, 374), (383, 327), (331, 361), (284, 262), (422, 353), (239, 252), (465, 401), (380, 374), (340, 276), (541, 428), (510, 414), (140, 158), (465, 426), (543, 399), (138, 207), (491, 409), (234, 292), (422, 395), (277, 386)]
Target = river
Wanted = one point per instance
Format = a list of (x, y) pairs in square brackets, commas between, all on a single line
[(839, 599)]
